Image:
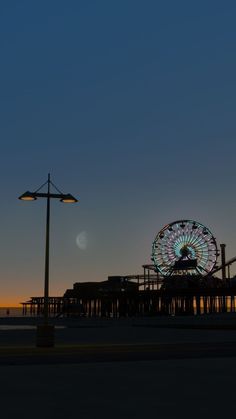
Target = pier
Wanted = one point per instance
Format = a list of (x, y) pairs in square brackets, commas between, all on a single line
[(122, 297)]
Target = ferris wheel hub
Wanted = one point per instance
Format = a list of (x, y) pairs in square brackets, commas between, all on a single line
[(185, 251)]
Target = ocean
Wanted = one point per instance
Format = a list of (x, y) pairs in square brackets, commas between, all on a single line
[(11, 312)]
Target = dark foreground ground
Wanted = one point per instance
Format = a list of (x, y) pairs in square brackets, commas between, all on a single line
[(164, 368), (167, 389), (96, 340)]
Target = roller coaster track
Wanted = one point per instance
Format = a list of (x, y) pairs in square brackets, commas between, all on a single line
[(219, 268)]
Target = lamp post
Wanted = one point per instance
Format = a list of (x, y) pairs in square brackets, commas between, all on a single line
[(45, 332)]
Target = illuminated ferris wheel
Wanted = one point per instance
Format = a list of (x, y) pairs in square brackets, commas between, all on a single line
[(184, 247)]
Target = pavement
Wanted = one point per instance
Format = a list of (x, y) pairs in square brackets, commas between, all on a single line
[(129, 369), (166, 389)]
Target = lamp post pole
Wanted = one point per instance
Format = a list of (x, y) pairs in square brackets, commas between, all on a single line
[(45, 331), (46, 277)]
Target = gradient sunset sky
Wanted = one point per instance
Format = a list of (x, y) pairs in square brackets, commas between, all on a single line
[(130, 105)]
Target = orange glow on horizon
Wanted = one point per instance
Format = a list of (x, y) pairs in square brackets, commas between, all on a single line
[(10, 302)]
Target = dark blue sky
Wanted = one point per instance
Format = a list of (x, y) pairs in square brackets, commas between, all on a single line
[(131, 107)]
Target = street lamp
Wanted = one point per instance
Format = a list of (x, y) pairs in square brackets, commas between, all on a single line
[(45, 332)]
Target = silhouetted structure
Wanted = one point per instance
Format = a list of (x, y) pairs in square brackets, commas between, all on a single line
[(139, 295), (181, 281)]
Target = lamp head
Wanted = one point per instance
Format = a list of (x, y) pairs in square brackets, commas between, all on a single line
[(68, 199), (28, 196)]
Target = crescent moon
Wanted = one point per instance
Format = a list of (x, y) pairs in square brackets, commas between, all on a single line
[(82, 240)]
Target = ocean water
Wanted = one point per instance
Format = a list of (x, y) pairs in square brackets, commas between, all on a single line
[(11, 312)]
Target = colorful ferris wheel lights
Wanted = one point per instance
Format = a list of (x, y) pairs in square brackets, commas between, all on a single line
[(184, 247)]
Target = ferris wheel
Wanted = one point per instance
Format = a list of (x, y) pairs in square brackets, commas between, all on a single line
[(184, 247)]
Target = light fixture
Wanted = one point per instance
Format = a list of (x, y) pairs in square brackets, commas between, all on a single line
[(28, 196), (68, 199)]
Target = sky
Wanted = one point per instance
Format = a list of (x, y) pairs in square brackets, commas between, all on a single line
[(130, 105)]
